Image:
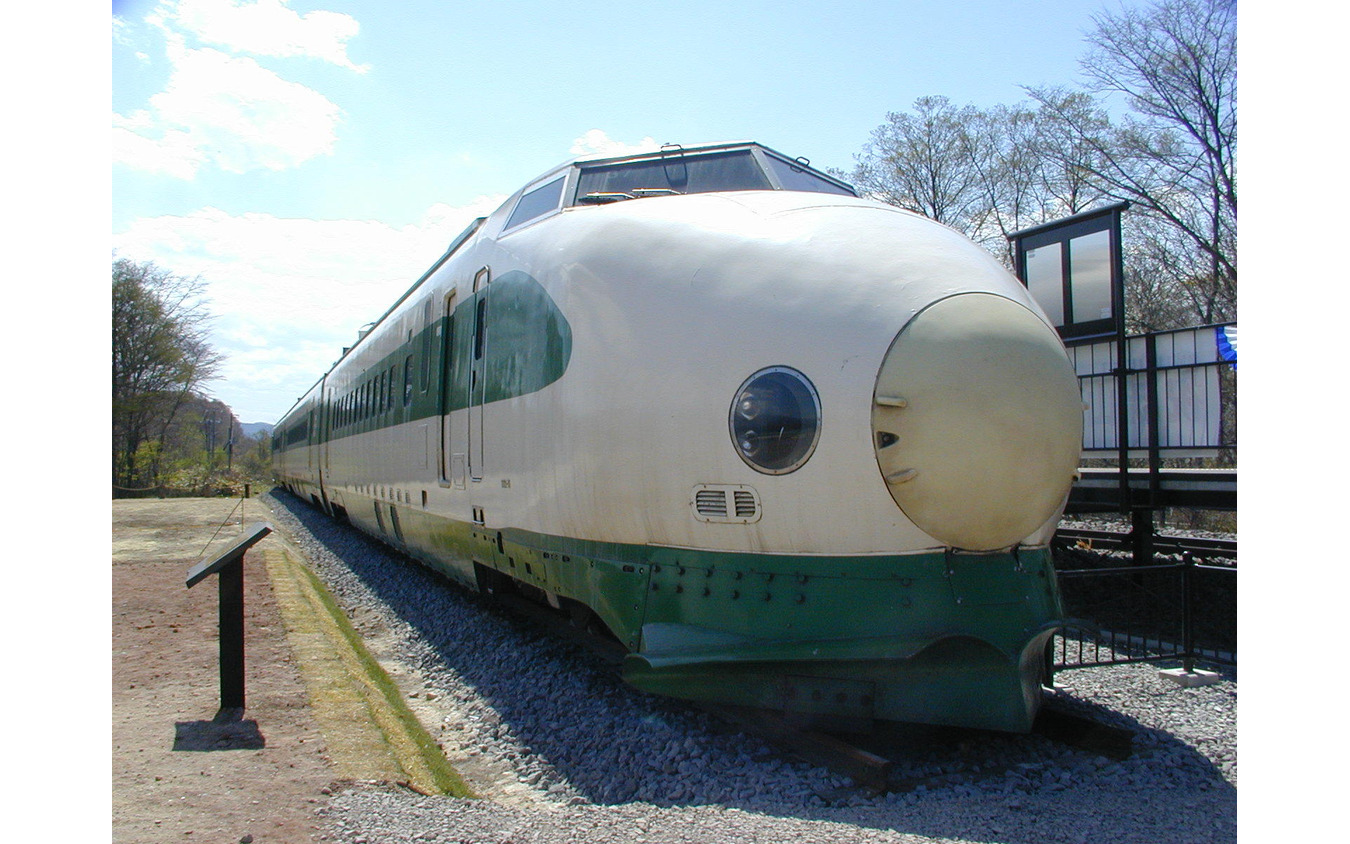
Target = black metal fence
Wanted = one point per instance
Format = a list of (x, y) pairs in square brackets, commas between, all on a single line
[(1125, 613), (1179, 396)]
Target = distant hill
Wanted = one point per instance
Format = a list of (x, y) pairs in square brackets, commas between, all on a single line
[(252, 429)]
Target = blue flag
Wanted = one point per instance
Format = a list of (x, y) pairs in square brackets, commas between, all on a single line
[(1226, 338)]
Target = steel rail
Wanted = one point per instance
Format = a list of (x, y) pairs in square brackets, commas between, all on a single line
[(1205, 547)]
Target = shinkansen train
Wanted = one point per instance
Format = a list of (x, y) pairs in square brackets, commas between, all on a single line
[(792, 447)]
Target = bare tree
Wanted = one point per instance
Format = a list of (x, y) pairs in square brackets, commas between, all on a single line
[(160, 356), (984, 172), (1175, 157), (1023, 180), (921, 162)]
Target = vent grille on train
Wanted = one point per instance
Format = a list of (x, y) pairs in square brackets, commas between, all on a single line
[(729, 503)]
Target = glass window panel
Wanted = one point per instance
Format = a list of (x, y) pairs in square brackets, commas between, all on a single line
[(537, 202), (1045, 280), (793, 177), (1090, 275), (680, 173)]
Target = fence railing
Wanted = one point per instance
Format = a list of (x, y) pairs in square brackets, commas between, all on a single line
[(1179, 393), (1185, 611)]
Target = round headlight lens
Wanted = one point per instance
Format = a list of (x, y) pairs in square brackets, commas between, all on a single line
[(775, 420)]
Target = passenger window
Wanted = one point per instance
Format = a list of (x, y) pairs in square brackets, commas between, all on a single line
[(407, 380), (424, 370)]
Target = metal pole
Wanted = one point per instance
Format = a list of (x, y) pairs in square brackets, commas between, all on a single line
[(231, 580), (1141, 535), (1142, 517), (1188, 612)]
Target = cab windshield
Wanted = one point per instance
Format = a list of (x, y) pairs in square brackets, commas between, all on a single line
[(677, 173), (685, 172)]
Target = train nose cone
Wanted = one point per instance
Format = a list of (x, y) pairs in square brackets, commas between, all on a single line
[(978, 421)]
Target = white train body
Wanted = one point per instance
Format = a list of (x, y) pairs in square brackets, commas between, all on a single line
[(566, 387)]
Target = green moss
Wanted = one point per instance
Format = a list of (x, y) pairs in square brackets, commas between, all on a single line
[(443, 775)]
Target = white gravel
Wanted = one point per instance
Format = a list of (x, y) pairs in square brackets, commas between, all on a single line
[(588, 759)]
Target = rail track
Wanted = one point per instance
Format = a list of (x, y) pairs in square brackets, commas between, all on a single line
[(869, 757), (865, 751), (1209, 548)]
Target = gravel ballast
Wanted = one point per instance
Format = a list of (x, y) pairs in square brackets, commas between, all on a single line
[(561, 750)]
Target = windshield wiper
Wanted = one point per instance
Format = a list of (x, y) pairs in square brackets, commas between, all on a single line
[(605, 197)]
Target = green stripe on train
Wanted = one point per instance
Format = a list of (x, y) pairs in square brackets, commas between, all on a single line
[(526, 346)]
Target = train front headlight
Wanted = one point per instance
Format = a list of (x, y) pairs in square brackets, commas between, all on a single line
[(775, 420), (978, 421)]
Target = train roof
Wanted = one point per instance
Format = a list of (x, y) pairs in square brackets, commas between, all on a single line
[(598, 179)]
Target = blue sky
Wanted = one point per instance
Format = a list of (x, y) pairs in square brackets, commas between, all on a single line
[(310, 159)]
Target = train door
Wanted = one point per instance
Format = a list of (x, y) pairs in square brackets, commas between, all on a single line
[(454, 429), (477, 372)]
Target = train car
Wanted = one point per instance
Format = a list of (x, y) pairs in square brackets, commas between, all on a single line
[(295, 449), (792, 447)]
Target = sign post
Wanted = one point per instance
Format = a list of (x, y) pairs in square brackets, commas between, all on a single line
[(230, 566), (1075, 270)]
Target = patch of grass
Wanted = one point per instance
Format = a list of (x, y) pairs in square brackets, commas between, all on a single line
[(428, 769)]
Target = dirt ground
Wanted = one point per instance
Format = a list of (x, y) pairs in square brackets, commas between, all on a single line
[(176, 776)]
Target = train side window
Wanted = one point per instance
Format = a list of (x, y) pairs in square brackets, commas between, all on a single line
[(449, 355), (793, 177), (536, 203), (480, 317), (407, 380), (480, 284), (424, 369)]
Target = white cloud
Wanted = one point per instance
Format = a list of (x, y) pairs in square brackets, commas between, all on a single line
[(228, 110), (597, 142), (267, 28), (139, 144), (288, 294)]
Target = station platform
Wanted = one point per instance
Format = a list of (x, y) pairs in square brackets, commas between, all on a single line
[(1099, 489)]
